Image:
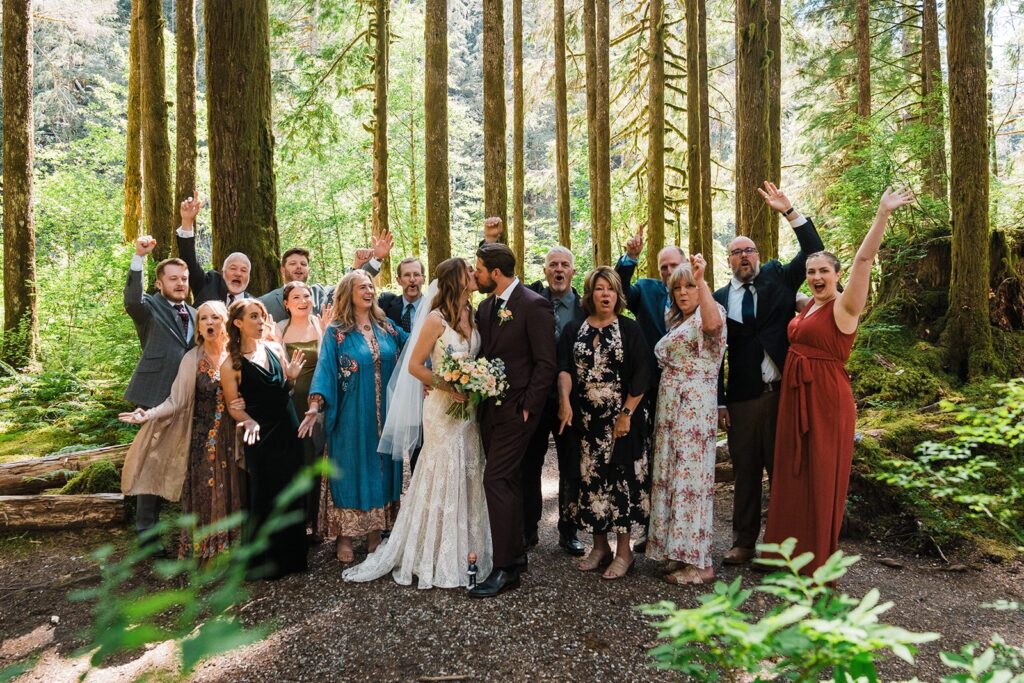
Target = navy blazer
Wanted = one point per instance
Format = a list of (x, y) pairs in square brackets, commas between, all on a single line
[(646, 299), (776, 286)]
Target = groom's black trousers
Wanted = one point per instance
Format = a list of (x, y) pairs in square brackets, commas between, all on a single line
[(505, 437), (568, 472)]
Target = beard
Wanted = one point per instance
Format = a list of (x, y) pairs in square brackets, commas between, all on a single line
[(754, 272), (486, 287)]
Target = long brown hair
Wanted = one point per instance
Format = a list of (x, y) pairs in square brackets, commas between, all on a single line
[(235, 312), (612, 278), (345, 311), (452, 280)]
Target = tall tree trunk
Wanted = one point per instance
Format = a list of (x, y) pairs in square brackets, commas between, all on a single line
[(753, 138), (698, 137), (185, 151), (518, 162), (863, 48), (968, 334), (656, 139), (933, 116), (495, 162), (435, 133), (989, 27), (242, 188), (382, 36), (773, 10), (133, 153), (414, 199), (160, 217), (597, 39), (562, 130), (21, 323)]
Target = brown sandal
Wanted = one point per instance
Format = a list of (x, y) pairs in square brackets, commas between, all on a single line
[(618, 568), (672, 566), (590, 563), (687, 576)]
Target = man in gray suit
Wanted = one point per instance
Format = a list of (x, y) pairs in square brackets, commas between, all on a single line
[(166, 326)]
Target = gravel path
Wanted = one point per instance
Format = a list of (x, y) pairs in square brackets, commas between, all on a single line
[(561, 624)]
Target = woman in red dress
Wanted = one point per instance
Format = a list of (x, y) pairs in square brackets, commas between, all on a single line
[(817, 415)]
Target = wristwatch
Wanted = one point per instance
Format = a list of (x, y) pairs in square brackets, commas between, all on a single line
[(626, 411), (788, 211)]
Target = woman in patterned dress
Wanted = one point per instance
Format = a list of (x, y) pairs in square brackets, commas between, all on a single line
[(195, 410), (683, 476), (605, 367), (357, 356)]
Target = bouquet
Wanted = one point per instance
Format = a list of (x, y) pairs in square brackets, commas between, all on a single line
[(476, 378)]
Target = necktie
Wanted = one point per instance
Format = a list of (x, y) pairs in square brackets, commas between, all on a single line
[(406, 321), (183, 315), (231, 300), (748, 304)]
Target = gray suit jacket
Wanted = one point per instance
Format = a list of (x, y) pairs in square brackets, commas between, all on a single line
[(322, 295), (163, 343)]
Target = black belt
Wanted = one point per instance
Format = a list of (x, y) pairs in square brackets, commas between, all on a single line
[(769, 387)]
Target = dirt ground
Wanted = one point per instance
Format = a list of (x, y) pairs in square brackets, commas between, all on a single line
[(560, 625)]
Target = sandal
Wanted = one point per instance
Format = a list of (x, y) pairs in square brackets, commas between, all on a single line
[(618, 568), (687, 576), (590, 562), (672, 566)]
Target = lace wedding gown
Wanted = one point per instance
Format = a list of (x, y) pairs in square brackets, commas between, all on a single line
[(443, 516)]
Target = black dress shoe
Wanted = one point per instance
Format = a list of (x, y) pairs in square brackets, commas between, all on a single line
[(497, 583), (572, 545), (530, 540)]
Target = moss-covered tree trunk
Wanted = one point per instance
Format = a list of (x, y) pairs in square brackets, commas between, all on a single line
[(596, 44), (656, 139), (495, 157), (21, 324), (753, 139), (989, 30), (773, 11), (382, 37), (968, 335), (698, 137), (242, 187), (132, 214), (562, 130), (185, 148), (590, 72), (863, 50), (932, 104), (414, 197), (159, 214), (435, 131), (518, 161)]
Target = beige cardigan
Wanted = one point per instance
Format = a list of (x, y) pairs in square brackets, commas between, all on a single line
[(158, 457)]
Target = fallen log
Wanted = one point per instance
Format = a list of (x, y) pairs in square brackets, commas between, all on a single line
[(26, 477), (61, 512)]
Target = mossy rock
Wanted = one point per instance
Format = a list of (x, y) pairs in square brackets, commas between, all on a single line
[(99, 477)]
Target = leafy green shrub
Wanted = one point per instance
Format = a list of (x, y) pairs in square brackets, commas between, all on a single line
[(99, 477)]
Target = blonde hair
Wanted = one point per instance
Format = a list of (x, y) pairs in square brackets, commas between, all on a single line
[(345, 311), (683, 274), (217, 307)]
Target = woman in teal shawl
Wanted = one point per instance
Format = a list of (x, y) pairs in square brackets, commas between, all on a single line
[(358, 353)]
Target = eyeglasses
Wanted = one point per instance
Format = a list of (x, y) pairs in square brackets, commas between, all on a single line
[(741, 252)]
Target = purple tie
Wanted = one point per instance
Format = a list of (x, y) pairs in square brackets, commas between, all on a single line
[(183, 314)]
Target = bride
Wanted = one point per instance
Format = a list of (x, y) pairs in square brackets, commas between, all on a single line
[(443, 517)]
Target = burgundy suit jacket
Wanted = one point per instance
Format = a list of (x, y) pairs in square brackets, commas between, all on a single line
[(526, 345)]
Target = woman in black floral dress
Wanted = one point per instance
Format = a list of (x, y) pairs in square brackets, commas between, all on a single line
[(605, 367)]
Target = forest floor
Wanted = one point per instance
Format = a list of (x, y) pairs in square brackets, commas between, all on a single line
[(561, 624)]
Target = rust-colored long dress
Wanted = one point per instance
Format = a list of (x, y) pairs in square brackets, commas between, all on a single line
[(814, 438)]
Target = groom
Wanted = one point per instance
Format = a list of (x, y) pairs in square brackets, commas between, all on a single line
[(515, 326)]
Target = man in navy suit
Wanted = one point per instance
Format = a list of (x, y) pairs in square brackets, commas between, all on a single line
[(760, 300), (647, 299)]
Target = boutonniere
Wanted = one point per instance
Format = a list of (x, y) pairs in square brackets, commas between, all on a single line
[(504, 315)]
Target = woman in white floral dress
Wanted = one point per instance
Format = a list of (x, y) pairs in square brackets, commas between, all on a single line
[(683, 477)]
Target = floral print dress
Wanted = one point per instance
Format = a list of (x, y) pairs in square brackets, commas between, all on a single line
[(683, 479), (612, 496)]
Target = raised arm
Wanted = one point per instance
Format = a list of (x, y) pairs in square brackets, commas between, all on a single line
[(710, 316), (134, 301), (625, 267), (850, 302), (186, 239), (803, 228)]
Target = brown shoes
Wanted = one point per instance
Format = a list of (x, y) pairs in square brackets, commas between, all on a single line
[(738, 555)]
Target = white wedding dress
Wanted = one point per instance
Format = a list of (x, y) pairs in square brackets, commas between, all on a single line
[(443, 516)]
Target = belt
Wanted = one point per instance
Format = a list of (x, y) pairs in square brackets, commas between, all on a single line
[(798, 368)]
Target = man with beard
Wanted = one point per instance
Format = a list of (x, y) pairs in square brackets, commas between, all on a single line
[(401, 308), (165, 325), (760, 301), (228, 284)]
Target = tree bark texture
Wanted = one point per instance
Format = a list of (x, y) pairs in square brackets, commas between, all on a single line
[(61, 511), (518, 140), (989, 29), (414, 197), (21, 320), (382, 37), (656, 139), (185, 149), (698, 137), (932, 104), (597, 40), (968, 335), (773, 10), (435, 134), (132, 221), (35, 475), (753, 138), (863, 48), (495, 161), (590, 62), (562, 130), (242, 187), (160, 216)]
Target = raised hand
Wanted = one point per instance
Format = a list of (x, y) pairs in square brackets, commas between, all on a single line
[(251, 431), (295, 365), (189, 209), (383, 244), (308, 421), (635, 244), (493, 229), (774, 197), (894, 199), (145, 245), (362, 257), (136, 417), (697, 265), (326, 314)]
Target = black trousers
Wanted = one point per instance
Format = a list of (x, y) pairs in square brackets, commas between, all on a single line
[(533, 465), (752, 450)]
